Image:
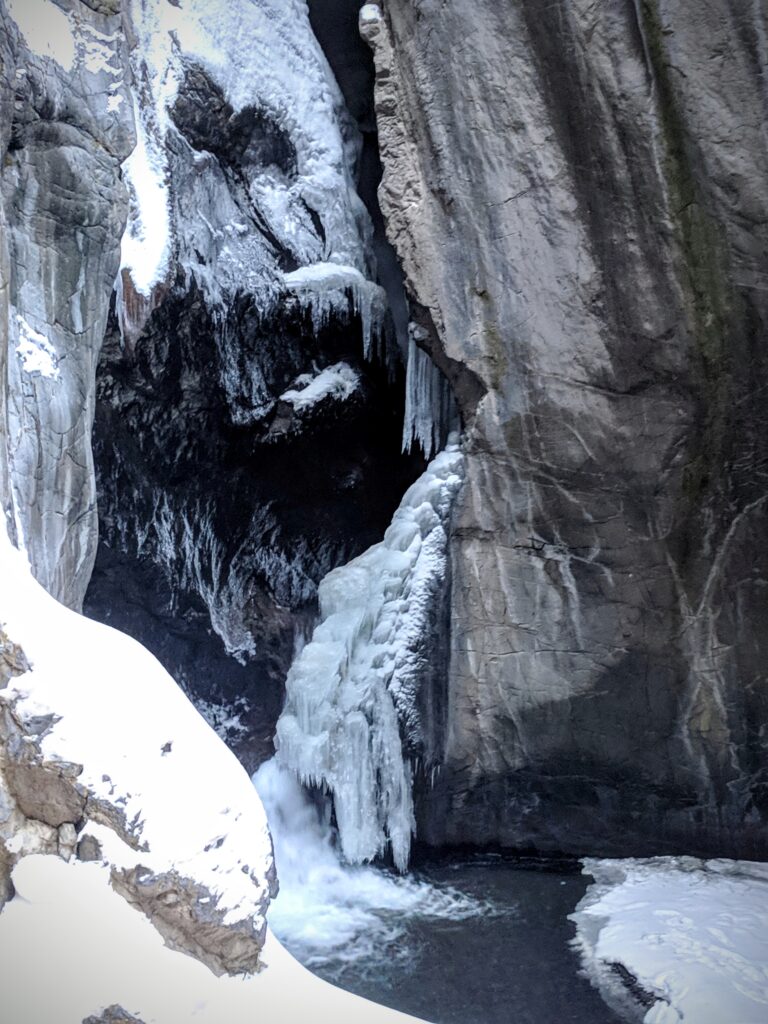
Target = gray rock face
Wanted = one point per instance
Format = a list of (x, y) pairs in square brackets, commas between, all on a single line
[(114, 1014), (577, 193), (66, 126)]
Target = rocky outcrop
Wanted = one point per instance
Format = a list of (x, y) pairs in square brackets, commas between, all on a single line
[(67, 124), (577, 193), (114, 1014)]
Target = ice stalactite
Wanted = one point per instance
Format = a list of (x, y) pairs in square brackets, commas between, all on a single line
[(352, 685), (430, 411), (329, 289)]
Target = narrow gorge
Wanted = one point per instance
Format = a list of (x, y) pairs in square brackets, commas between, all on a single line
[(383, 445)]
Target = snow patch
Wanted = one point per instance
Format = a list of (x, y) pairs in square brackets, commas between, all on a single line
[(338, 381), (47, 30), (693, 933), (37, 354), (146, 242), (339, 728)]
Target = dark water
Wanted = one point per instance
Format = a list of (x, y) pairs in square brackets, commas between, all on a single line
[(511, 965)]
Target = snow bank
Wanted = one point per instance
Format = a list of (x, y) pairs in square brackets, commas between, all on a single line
[(71, 947), (348, 687), (174, 812), (693, 933)]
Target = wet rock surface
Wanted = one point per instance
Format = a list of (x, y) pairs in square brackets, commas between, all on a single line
[(577, 196)]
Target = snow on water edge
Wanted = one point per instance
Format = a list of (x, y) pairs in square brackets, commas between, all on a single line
[(693, 933)]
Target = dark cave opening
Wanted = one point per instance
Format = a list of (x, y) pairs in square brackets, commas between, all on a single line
[(220, 507)]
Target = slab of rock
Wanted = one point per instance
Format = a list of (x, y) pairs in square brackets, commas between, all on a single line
[(577, 193)]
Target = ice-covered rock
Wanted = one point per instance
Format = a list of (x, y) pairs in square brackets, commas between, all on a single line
[(353, 686)]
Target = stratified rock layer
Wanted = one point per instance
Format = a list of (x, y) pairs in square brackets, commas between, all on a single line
[(577, 193)]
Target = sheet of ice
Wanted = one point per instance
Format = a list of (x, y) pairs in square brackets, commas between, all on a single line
[(36, 352), (71, 947), (143, 746), (329, 912), (329, 289), (339, 728), (338, 381), (693, 933)]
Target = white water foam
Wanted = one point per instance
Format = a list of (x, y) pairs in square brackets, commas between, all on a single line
[(328, 912)]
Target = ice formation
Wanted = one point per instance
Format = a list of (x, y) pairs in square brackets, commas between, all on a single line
[(351, 683), (263, 56), (327, 289), (429, 407), (694, 935), (330, 912)]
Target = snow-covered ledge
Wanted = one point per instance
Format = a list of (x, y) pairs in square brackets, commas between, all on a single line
[(115, 795)]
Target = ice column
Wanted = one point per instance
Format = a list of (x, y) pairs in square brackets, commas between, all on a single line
[(429, 407), (345, 691)]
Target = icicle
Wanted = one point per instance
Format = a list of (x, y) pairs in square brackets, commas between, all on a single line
[(325, 289), (429, 406), (352, 686)]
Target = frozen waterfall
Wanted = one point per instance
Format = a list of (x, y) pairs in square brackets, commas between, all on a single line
[(328, 912), (353, 683)]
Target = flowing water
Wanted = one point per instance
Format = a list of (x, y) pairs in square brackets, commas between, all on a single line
[(476, 941)]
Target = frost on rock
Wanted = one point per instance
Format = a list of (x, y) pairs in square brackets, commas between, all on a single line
[(37, 354), (185, 543), (354, 683), (98, 743), (429, 405), (680, 938)]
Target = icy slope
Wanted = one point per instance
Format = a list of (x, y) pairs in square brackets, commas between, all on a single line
[(694, 935), (101, 750)]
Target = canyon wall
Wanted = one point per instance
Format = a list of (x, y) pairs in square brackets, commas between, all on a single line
[(577, 194)]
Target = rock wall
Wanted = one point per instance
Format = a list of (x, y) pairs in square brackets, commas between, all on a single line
[(67, 124), (577, 193)]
